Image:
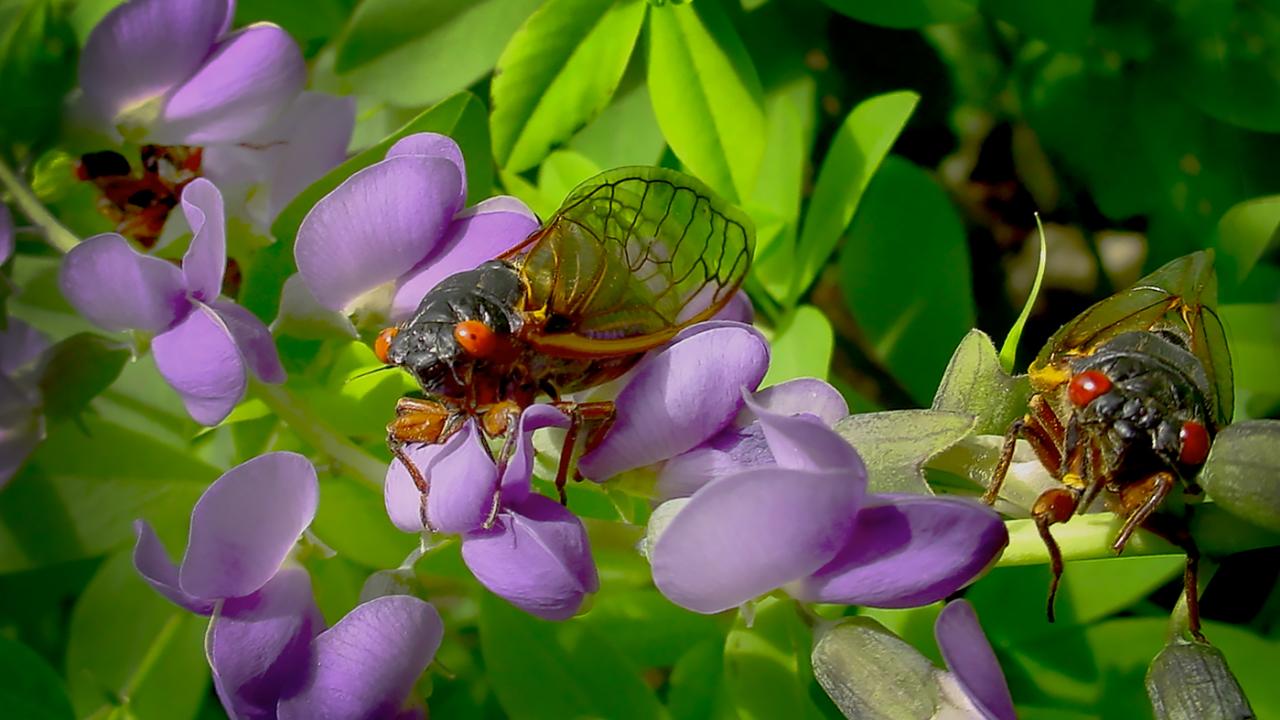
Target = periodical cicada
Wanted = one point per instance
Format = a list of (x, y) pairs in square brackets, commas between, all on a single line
[(631, 257), (1126, 400)]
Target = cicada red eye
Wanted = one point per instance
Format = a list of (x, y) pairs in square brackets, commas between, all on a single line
[(1087, 387), (1195, 443), (476, 338), (382, 346)]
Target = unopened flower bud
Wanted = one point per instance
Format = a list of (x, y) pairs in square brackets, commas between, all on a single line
[(1191, 681)]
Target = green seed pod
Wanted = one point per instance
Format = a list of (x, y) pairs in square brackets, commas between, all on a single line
[(1191, 681), (1242, 473), (871, 674)]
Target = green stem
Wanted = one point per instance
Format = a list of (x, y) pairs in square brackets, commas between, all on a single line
[(55, 233), (1089, 537), (316, 433)]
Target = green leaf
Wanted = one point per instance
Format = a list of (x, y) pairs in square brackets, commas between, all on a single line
[(625, 133), (706, 95), (1064, 25), (1254, 336), (566, 670), (1009, 349), (1223, 64), (896, 444), (910, 307), (132, 649), (87, 487), (401, 53), (647, 628), (801, 347), (766, 666), (861, 143), (77, 370), (311, 24), (29, 688), (974, 383), (37, 68), (697, 685), (559, 71), (353, 521), (461, 117), (539, 202), (1242, 474), (563, 171), (905, 13), (1245, 233)]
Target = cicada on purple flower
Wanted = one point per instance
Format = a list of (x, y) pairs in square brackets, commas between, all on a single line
[(1126, 400), (633, 256)]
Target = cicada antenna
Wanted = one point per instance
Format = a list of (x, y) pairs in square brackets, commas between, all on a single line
[(367, 373)]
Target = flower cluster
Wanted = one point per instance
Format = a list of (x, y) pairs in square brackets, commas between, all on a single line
[(267, 644), (403, 220), (171, 72), (204, 345)]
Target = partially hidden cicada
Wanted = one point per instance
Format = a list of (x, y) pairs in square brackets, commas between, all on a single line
[(632, 256), (1126, 400)]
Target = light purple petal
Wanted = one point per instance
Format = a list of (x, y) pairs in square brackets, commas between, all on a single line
[(117, 288), (729, 451), (152, 562), (435, 145), (462, 484), (477, 234), (537, 557), (314, 133), (198, 357), (804, 442), (6, 234), (20, 345), (680, 397), (738, 309), (909, 550), (249, 80), (253, 340), (366, 665), (971, 660), (143, 48), (375, 226), (750, 533), (516, 476), (246, 523), (206, 258), (804, 395), (259, 646)]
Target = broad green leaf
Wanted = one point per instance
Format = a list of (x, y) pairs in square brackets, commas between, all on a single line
[(1254, 334), (352, 520), (1242, 474), (911, 306), (77, 370), (801, 347), (905, 13), (37, 68), (766, 666), (406, 54), (312, 24), (775, 203), (706, 95), (558, 72), (29, 688), (625, 133), (87, 487), (461, 117), (697, 685), (647, 628), (558, 670), (132, 649), (861, 143), (1245, 233), (563, 171), (974, 383), (1065, 25), (896, 444)]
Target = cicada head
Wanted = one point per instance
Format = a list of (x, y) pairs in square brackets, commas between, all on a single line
[(467, 321)]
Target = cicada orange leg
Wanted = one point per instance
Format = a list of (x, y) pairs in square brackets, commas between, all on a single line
[(420, 421), (600, 416)]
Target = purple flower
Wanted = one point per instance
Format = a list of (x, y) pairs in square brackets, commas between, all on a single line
[(204, 345), (777, 499), (168, 72), (267, 646), (971, 661), (21, 422), (523, 547), (402, 220)]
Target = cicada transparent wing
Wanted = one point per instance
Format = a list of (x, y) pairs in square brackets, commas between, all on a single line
[(634, 255), (1180, 296)]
